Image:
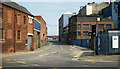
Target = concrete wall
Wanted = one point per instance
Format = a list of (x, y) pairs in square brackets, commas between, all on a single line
[(88, 10)]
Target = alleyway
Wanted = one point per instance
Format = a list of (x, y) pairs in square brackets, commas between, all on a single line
[(55, 55)]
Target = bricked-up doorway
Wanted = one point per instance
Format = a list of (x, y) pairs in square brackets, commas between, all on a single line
[(29, 43)]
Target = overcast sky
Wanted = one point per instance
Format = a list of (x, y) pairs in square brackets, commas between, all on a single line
[(51, 10)]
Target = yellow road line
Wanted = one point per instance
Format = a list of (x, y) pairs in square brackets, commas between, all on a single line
[(21, 62)]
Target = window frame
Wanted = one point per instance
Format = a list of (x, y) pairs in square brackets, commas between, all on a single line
[(18, 35), (84, 32), (86, 26), (24, 20), (99, 27), (79, 25), (79, 32), (110, 26), (1, 37)]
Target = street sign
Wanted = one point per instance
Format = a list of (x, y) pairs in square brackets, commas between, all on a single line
[(115, 41)]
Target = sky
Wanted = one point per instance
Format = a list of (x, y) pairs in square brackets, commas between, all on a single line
[(51, 10)]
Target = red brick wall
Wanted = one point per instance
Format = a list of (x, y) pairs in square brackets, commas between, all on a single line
[(8, 30), (72, 37)]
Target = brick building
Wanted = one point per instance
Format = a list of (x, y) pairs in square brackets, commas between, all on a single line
[(80, 25), (43, 32), (16, 28), (37, 29)]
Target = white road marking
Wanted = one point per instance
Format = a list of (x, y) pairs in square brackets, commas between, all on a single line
[(61, 47)]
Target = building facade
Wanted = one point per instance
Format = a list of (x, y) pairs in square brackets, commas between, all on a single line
[(92, 8), (63, 22), (16, 26), (37, 29), (114, 13), (79, 26), (43, 32)]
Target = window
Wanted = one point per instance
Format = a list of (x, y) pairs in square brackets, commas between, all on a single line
[(79, 26), (74, 26), (108, 26), (85, 33), (101, 26), (16, 18), (1, 33), (74, 33), (24, 19), (18, 34), (79, 33), (1, 11), (85, 26), (30, 19)]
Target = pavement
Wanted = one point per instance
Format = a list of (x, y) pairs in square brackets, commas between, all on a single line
[(26, 52), (58, 55)]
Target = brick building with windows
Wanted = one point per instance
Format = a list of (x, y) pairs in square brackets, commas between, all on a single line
[(43, 32), (17, 28), (80, 25), (37, 29)]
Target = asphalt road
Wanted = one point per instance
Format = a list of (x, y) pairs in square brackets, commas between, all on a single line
[(55, 55)]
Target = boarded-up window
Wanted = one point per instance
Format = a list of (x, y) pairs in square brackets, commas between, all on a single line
[(9, 16), (9, 33)]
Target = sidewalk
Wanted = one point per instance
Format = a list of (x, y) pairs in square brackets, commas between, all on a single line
[(87, 55), (101, 58), (26, 52)]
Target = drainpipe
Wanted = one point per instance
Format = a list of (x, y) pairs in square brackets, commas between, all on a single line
[(14, 30)]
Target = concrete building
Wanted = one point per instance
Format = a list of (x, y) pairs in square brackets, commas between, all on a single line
[(80, 25), (92, 8), (43, 32), (63, 22), (114, 13), (65, 35), (37, 29), (16, 28)]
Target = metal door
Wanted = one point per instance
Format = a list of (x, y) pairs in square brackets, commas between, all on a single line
[(29, 43), (37, 40)]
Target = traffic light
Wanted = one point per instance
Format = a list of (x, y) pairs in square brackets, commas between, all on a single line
[(93, 30)]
